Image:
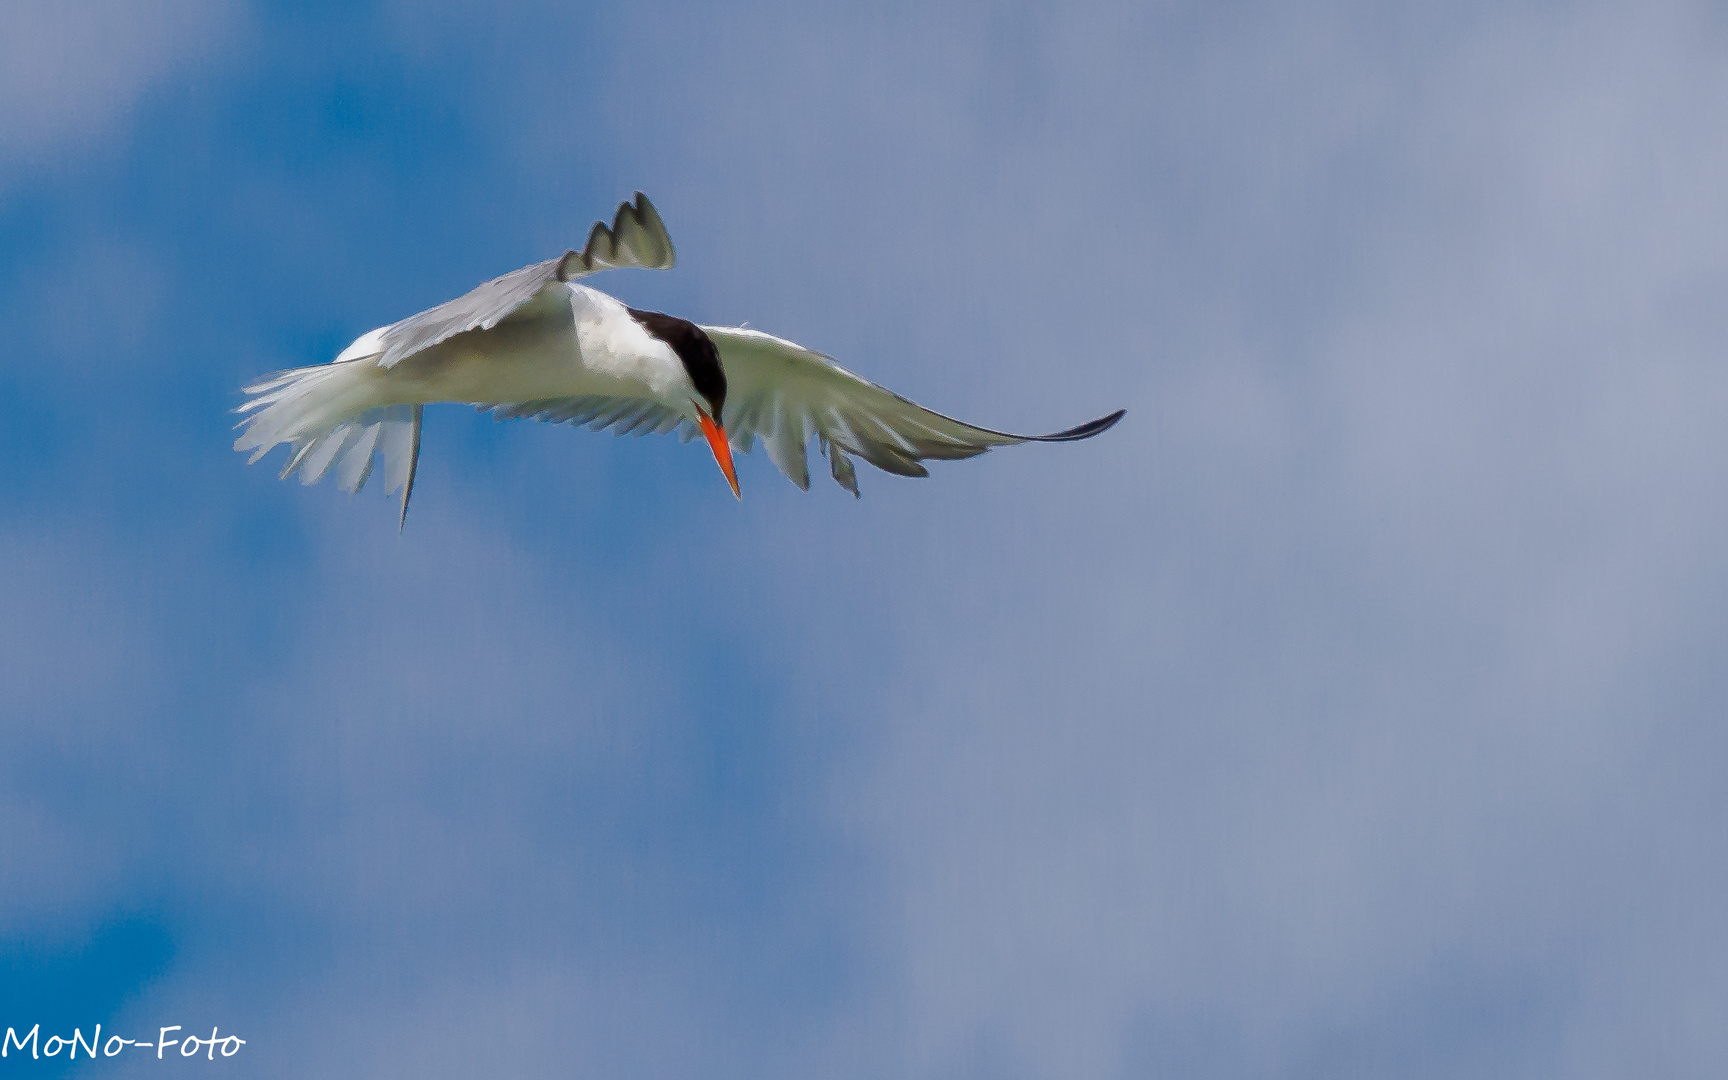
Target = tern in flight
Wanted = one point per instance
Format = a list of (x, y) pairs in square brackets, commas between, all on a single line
[(535, 343)]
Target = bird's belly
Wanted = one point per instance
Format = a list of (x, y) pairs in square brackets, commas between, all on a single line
[(514, 361)]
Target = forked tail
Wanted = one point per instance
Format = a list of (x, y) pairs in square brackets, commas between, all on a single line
[(323, 414)]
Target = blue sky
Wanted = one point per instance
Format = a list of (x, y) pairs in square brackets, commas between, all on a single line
[(1353, 709)]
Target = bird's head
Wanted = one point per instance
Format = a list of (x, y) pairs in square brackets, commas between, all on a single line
[(701, 362)]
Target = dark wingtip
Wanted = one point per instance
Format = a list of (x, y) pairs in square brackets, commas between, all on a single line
[(1086, 430)]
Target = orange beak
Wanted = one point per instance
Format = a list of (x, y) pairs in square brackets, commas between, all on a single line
[(716, 436)]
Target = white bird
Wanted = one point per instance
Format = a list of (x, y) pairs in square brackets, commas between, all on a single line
[(534, 343)]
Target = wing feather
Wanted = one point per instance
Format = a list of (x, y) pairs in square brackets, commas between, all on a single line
[(596, 412), (840, 466), (633, 421), (785, 443)]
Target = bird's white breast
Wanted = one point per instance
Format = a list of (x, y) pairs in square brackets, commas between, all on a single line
[(613, 345)]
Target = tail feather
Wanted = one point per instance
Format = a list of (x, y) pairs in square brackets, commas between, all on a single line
[(318, 462), (356, 464), (413, 465), (325, 416)]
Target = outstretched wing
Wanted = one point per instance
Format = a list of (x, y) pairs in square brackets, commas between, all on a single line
[(637, 238), (783, 393)]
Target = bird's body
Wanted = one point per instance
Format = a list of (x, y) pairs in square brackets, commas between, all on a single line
[(583, 343), (536, 343)]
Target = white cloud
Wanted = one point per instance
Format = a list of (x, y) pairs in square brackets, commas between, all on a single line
[(1326, 695), (71, 71)]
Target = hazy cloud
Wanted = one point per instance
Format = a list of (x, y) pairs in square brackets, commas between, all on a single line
[(1351, 709), (70, 71)]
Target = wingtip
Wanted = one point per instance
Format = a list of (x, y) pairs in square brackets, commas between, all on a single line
[(1086, 430)]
